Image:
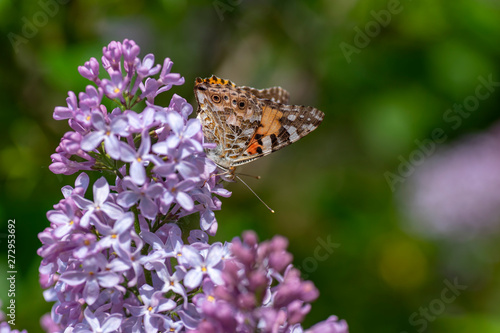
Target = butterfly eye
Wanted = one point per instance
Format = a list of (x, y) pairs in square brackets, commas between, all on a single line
[(216, 98), (241, 104)]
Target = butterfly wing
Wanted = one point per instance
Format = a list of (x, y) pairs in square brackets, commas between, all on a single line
[(275, 94), (230, 117), (281, 125), (247, 123)]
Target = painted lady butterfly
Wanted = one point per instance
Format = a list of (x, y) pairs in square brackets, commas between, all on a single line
[(247, 123)]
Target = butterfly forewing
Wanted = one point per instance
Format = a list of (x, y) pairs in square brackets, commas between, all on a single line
[(275, 94), (281, 126)]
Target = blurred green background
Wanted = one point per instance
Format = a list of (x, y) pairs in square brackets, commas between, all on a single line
[(381, 89)]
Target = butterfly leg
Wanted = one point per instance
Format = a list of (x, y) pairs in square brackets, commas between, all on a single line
[(228, 173)]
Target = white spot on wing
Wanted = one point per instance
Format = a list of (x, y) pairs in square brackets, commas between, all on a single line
[(291, 117), (308, 127), (294, 137), (292, 131), (266, 142)]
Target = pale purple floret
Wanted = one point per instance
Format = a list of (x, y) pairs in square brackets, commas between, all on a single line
[(183, 132), (180, 161), (200, 266), (63, 112), (130, 51), (179, 104), (91, 98), (141, 122), (149, 89), (172, 282), (115, 87), (174, 326), (145, 68), (171, 248), (90, 70), (178, 192), (137, 159), (115, 236), (146, 196), (109, 133), (111, 58), (151, 312), (101, 203), (133, 260), (64, 221), (99, 322), (169, 79)]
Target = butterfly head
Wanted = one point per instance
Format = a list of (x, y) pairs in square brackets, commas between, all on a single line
[(210, 86), (218, 94)]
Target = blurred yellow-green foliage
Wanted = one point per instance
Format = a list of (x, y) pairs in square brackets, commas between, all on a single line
[(380, 92)]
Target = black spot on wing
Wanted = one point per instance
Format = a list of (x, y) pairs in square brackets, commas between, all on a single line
[(274, 140)]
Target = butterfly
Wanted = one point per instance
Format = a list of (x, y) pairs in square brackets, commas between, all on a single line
[(246, 123)]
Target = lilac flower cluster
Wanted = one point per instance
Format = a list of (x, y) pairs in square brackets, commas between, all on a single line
[(6, 321), (261, 292), (155, 152), (119, 262), (455, 193), (5, 328)]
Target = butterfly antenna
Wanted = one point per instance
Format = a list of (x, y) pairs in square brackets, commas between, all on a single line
[(241, 180), (247, 175)]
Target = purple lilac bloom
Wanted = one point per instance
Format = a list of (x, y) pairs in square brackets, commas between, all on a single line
[(455, 192), (5, 328), (258, 293), (115, 260), (128, 134)]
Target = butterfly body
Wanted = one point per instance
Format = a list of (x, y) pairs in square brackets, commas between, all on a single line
[(246, 123)]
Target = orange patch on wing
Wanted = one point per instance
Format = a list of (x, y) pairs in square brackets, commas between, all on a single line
[(270, 121), (254, 147)]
